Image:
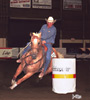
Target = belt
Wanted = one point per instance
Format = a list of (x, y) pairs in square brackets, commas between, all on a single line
[(49, 43)]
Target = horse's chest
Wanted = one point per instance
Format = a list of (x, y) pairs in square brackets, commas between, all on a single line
[(34, 66)]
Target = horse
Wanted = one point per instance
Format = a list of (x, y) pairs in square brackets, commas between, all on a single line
[(33, 60)]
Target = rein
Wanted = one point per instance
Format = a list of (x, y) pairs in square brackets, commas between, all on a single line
[(43, 56), (27, 52)]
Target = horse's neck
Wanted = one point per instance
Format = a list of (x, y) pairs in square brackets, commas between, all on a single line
[(40, 50)]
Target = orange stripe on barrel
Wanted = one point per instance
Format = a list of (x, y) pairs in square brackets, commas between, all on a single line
[(63, 75)]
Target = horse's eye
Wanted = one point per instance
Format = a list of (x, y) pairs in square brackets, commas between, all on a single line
[(38, 43)]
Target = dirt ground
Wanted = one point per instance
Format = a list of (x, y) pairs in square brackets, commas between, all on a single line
[(42, 90)]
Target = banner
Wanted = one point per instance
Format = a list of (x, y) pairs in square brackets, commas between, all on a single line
[(20, 3), (72, 4), (42, 4), (5, 53)]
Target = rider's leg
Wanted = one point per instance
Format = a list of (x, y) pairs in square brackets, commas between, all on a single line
[(48, 58)]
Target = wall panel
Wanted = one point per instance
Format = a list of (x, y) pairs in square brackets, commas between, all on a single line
[(72, 24), (37, 13), (3, 18), (19, 31), (22, 21)]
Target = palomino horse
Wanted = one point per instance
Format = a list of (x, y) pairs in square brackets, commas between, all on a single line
[(33, 60)]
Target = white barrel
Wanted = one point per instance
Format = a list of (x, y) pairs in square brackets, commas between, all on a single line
[(64, 75)]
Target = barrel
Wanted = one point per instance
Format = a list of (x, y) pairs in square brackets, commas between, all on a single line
[(64, 75)]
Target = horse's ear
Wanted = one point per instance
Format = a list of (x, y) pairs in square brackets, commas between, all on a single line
[(39, 35), (30, 34), (34, 34)]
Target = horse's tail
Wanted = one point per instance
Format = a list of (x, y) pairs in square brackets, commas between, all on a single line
[(58, 54)]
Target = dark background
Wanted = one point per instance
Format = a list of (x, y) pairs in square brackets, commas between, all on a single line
[(17, 23)]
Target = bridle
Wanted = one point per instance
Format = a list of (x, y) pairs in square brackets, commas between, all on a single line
[(39, 60)]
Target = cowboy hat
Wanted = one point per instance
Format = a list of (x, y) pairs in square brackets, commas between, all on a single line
[(50, 19)]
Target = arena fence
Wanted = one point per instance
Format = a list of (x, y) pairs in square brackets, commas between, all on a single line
[(12, 53)]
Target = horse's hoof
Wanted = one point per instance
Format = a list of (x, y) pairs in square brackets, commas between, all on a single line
[(13, 86), (13, 81), (41, 75)]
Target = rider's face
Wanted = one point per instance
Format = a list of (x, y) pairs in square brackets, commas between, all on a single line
[(49, 24)]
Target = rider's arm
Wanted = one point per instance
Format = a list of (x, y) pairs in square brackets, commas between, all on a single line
[(48, 34)]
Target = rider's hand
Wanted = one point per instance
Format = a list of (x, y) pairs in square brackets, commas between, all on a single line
[(43, 42)]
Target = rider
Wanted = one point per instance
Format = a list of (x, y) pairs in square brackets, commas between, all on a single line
[(48, 34)]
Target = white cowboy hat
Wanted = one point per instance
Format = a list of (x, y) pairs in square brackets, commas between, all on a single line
[(50, 19)]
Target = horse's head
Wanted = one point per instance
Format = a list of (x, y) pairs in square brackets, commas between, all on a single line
[(35, 44)]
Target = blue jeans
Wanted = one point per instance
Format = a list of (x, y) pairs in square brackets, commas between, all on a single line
[(48, 56)]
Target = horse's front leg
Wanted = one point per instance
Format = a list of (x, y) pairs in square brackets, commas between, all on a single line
[(21, 80), (18, 71)]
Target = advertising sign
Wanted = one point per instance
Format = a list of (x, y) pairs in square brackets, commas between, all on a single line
[(5, 52), (42, 4), (72, 4), (20, 3)]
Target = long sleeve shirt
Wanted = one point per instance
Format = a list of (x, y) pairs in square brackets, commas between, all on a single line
[(48, 34)]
